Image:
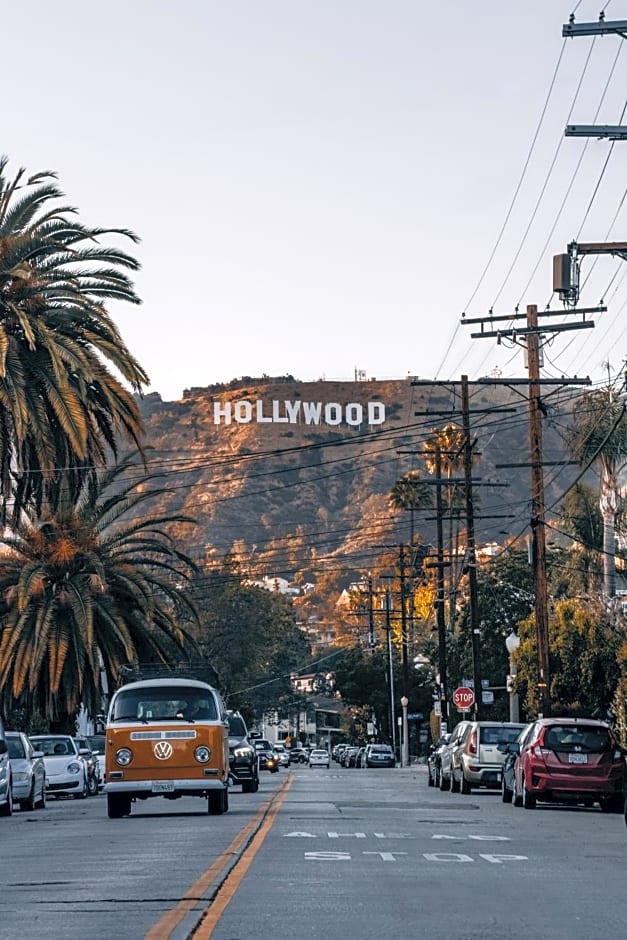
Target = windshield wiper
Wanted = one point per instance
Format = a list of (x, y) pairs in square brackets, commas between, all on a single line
[(143, 721)]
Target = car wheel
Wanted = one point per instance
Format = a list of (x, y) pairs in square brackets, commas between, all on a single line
[(465, 786), (250, 786), (29, 804), (516, 797), (431, 781), (83, 794), (454, 783), (445, 782), (528, 800), (41, 802), (7, 808), (436, 780), (92, 786), (506, 793), (611, 804), (118, 805)]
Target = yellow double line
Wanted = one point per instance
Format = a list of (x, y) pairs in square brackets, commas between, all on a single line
[(250, 838)]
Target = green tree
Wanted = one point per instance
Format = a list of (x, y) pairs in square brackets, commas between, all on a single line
[(83, 589), (584, 650), (599, 435), (60, 405), (579, 517), (250, 637)]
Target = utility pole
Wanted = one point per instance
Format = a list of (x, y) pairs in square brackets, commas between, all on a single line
[(538, 532), (404, 644), (602, 27), (388, 630), (440, 613), (470, 549), (529, 336), (371, 636)]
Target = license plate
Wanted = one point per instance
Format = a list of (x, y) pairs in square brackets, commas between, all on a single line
[(577, 758), (162, 786)]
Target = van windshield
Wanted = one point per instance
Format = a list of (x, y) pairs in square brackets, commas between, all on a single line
[(164, 704)]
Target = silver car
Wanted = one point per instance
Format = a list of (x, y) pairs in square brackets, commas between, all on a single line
[(28, 772), (6, 798), (66, 771)]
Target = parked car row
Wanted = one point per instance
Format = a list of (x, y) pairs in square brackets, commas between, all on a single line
[(550, 760), (368, 755), (37, 767)]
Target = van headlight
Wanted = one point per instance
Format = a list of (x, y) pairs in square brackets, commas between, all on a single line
[(202, 754), (124, 756)]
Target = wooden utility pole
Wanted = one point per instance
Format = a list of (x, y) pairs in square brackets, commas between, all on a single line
[(471, 556), (538, 532), (404, 643), (439, 603)]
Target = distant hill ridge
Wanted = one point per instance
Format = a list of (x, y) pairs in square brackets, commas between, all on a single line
[(292, 472)]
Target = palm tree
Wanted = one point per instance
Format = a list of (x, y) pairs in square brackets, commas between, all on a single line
[(410, 493), (60, 405), (599, 435), (82, 588)]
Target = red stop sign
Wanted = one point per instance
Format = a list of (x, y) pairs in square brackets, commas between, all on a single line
[(463, 697)]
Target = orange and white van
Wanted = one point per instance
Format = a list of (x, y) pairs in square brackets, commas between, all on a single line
[(168, 738)]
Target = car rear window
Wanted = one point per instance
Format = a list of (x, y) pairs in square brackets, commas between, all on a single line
[(579, 737), (498, 735), (380, 749)]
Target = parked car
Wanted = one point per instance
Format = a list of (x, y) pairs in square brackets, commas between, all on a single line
[(433, 760), (66, 771), (446, 754), (359, 757), (348, 756), (267, 758), (28, 772), (477, 762), (510, 753), (337, 751), (6, 797), (243, 758), (378, 755), (569, 760), (319, 757), (91, 762), (282, 753)]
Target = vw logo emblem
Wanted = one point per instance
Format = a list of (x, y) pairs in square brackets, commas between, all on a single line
[(163, 750)]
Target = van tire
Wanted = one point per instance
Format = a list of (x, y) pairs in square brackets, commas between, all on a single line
[(118, 805), (218, 802)]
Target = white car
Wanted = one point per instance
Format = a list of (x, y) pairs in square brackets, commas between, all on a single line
[(28, 772), (283, 754), (319, 757), (66, 771)]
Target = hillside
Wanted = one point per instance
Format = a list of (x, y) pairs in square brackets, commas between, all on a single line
[(292, 473)]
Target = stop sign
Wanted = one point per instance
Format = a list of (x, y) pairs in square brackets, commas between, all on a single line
[(463, 697)]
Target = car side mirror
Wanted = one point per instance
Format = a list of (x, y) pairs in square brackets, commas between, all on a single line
[(85, 751), (38, 754), (3, 747)]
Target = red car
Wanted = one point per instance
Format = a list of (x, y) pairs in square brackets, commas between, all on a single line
[(562, 760)]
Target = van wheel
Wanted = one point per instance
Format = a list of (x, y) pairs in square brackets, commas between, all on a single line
[(218, 802), (118, 805)]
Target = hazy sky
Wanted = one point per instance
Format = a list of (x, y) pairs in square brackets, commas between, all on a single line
[(319, 185)]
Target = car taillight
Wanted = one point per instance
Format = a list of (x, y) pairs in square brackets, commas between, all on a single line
[(472, 744), (540, 751)]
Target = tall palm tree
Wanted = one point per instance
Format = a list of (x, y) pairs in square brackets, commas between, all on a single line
[(598, 435), (82, 588), (411, 493), (60, 405)]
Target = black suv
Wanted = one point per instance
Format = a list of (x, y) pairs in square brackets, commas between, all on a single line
[(268, 759), (243, 760)]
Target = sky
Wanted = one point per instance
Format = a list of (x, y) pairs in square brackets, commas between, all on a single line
[(324, 187)]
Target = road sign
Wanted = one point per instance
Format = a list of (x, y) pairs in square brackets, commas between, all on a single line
[(463, 697)]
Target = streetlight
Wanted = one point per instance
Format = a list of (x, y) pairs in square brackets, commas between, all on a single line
[(512, 642), (405, 749)]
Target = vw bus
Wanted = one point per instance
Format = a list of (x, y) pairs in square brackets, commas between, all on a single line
[(168, 738)]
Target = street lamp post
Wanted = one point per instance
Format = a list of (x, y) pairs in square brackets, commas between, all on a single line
[(512, 642), (405, 749)]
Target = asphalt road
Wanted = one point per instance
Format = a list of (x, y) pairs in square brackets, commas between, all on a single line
[(340, 853)]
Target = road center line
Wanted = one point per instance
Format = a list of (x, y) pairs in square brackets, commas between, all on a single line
[(165, 927)]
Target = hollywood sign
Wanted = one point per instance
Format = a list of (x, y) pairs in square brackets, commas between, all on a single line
[(330, 413)]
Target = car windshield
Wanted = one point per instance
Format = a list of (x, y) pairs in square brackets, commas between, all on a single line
[(55, 746), (237, 729), (16, 748), (163, 704), (577, 737), (498, 735), (96, 742), (263, 745)]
